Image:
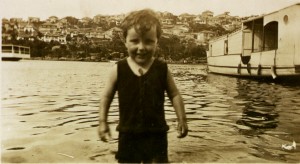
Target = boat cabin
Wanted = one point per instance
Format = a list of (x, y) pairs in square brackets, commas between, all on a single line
[(268, 44), (15, 52)]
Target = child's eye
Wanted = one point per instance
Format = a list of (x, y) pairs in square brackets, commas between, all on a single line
[(149, 41), (134, 40)]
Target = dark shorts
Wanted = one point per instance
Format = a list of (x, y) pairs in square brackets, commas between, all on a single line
[(142, 147)]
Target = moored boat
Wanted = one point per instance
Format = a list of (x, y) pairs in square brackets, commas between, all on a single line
[(14, 52), (113, 61), (265, 46)]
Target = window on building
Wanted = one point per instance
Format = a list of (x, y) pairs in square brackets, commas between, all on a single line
[(271, 36)]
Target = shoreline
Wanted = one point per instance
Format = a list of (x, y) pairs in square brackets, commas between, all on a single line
[(107, 61)]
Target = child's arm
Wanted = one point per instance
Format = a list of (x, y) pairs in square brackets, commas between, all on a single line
[(178, 105), (106, 99)]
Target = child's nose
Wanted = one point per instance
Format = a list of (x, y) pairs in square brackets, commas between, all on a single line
[(141, 46)]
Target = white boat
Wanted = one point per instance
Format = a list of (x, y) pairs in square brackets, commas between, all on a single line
[(14, 52), (113, 61), (268, 45)]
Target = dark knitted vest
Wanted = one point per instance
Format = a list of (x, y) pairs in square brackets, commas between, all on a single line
[(141, 99)]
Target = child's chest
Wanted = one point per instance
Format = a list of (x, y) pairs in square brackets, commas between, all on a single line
[(138, 70)]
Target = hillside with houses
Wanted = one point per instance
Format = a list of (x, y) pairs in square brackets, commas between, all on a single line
[(185, 37)]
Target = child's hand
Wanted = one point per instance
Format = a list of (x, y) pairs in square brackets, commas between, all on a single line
[(104, 132), (182, 130)]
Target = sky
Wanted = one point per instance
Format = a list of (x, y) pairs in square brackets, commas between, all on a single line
[(89, 8)]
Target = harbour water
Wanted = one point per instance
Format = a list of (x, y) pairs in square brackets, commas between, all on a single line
[(49, 113)]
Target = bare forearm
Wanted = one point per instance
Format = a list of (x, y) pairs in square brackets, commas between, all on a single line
[(106, 99), (103, 129), (179, 108), (104, 108)]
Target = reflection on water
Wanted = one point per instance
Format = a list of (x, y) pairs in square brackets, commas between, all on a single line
[(269, 108), (230, 119), (260, 112)]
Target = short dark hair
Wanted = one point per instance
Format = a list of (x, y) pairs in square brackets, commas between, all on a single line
[(142, 21)]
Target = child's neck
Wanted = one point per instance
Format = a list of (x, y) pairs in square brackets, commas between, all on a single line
[(144, 66), (135, 67)]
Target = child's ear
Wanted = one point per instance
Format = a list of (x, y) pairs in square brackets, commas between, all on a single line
[(125, 43)]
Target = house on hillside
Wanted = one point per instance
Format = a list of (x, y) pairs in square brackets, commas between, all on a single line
[(61, 38), (85, 20), (27, 31), (113, 32), (8, 26), (48, 28), (176, 29), (168, 21), (52, 19), (186, 18), (33, 19), (200, 20), (16, 20), (99, 19), (223, 19), (9, 30), (95, 33), (63, 21), (31, 36), (207, 14), (203, 37), (29, 28)]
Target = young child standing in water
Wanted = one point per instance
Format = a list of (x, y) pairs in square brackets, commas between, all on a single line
[(141, 81)]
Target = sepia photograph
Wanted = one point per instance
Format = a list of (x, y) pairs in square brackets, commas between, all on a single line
[(150, 81)]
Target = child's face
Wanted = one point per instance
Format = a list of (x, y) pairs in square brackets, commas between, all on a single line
[(140, 47)]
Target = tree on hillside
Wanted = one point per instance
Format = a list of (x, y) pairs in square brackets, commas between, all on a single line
[(72, 20), (219, 30), (117, 44), (38, 48), (170, 46), (198, 51), (195, 27)]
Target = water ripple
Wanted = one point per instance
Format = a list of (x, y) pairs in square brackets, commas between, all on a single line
[(226, 115)]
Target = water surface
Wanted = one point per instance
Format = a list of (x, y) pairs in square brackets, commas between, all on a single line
[(48, 103)]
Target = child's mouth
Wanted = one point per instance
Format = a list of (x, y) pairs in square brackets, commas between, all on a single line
[(141, 55)]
